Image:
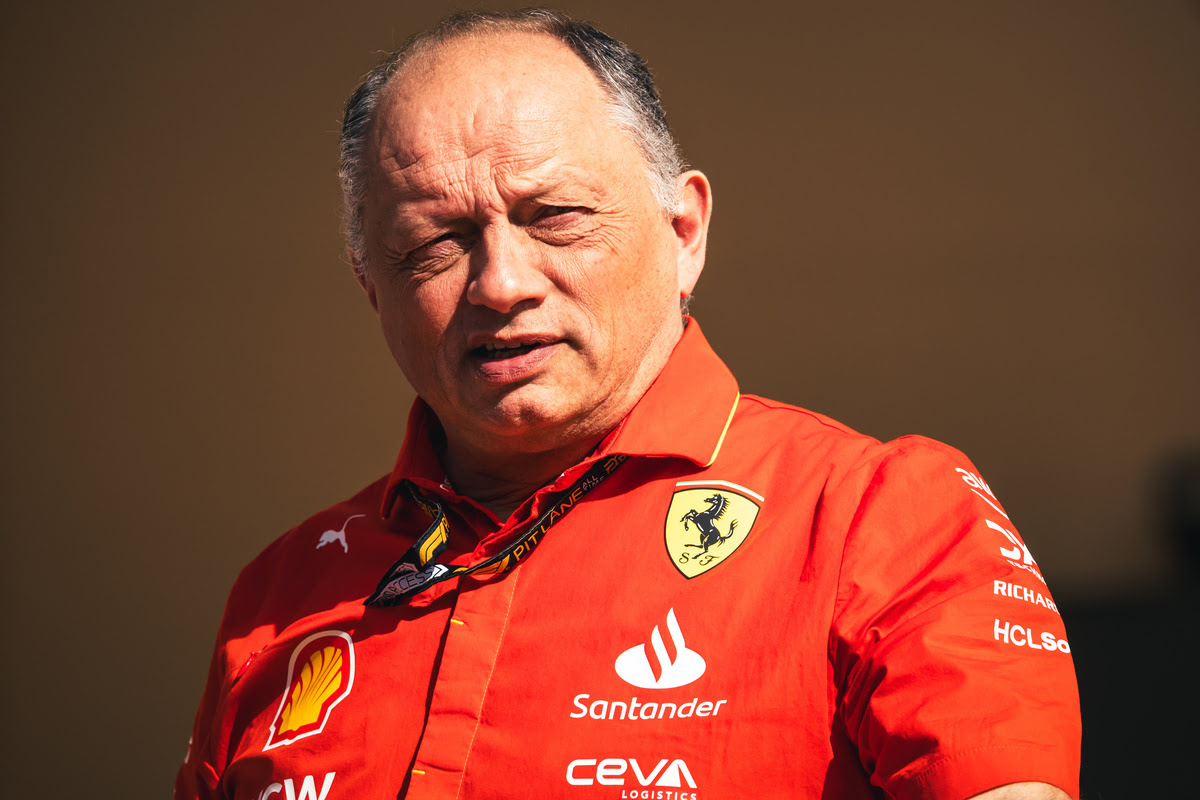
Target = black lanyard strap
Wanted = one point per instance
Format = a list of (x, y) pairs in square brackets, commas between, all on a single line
[(417, 570)]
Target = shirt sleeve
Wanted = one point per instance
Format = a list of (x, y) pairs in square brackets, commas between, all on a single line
[(199, 777), (952, 666), (196, 778)]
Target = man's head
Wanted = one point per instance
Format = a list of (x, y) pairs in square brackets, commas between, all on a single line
[(524, 264), (633, 98)]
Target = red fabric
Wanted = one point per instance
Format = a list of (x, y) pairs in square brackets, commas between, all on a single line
[(872, 632)]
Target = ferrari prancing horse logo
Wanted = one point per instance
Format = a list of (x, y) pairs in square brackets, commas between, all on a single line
[(705, 525)]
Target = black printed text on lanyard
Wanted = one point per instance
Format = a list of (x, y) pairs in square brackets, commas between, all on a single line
[(416, 570)]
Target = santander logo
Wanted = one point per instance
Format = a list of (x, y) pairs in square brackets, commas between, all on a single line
[(663, 671)]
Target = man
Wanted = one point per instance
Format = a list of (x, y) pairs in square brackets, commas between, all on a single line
[(729, 596)]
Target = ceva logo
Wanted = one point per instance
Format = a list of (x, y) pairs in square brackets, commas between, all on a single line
[(611, 772), (665, 672)]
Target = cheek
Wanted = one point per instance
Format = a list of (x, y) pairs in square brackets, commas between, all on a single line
[(415, 321), (621, 271), (424, 305)]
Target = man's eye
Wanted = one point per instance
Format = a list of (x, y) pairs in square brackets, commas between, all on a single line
[(447, 246), (560, 215)]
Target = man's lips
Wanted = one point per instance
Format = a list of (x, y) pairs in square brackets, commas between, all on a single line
[(501, 351), (511, 359)]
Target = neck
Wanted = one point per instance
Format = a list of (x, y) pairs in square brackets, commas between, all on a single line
[(502, 481)]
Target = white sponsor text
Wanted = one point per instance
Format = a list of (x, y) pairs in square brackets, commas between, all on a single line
[(1016, 590), (632, 709), (611, 772), (308, 789), (1018, 636)]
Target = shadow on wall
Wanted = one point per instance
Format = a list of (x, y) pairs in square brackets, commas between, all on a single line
[(1136, 662)]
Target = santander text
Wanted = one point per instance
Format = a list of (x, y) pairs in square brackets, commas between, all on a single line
[(632, 709)]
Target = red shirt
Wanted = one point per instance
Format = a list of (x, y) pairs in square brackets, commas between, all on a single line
[(758, 602)]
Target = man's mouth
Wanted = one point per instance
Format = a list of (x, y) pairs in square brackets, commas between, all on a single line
[(498, 351), (516, 359)]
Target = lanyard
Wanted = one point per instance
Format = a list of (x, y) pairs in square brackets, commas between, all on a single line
[(416, 570)]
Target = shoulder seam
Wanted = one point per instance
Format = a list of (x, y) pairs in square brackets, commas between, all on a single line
[(817, 417)]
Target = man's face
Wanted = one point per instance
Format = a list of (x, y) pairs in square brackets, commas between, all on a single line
[(526, 280)]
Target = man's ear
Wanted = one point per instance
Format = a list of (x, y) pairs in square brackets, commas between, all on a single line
[(364, 280), (690, 223)]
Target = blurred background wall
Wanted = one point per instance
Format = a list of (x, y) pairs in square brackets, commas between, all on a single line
[(973, 221)]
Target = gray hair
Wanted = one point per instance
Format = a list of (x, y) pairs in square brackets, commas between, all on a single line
[(634, 101)]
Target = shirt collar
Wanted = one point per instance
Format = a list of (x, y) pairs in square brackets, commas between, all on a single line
[(685, 414), (687, 409)]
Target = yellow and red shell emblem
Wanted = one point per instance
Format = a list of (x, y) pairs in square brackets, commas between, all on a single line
[(320, 676)]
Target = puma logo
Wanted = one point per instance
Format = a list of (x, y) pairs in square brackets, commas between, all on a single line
[(339, 536)]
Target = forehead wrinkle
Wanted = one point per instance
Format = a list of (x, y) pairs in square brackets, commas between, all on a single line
[(429, 180), (414, 157), (531, 167), (432, 120), (457, 136)]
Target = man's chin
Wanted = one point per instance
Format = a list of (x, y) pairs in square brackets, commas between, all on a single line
[(531, 419), (513, 420)]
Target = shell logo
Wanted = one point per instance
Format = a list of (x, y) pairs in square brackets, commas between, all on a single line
[(320, 676)]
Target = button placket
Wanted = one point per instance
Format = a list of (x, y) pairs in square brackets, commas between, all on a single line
[(473, 638)]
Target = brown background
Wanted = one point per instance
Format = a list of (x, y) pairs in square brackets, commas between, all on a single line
[(972, 221)]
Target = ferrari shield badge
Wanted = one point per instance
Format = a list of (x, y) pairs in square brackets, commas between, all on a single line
[(707, 522)]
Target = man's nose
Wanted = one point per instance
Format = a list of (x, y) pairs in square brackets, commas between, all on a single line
[(506, 270)]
